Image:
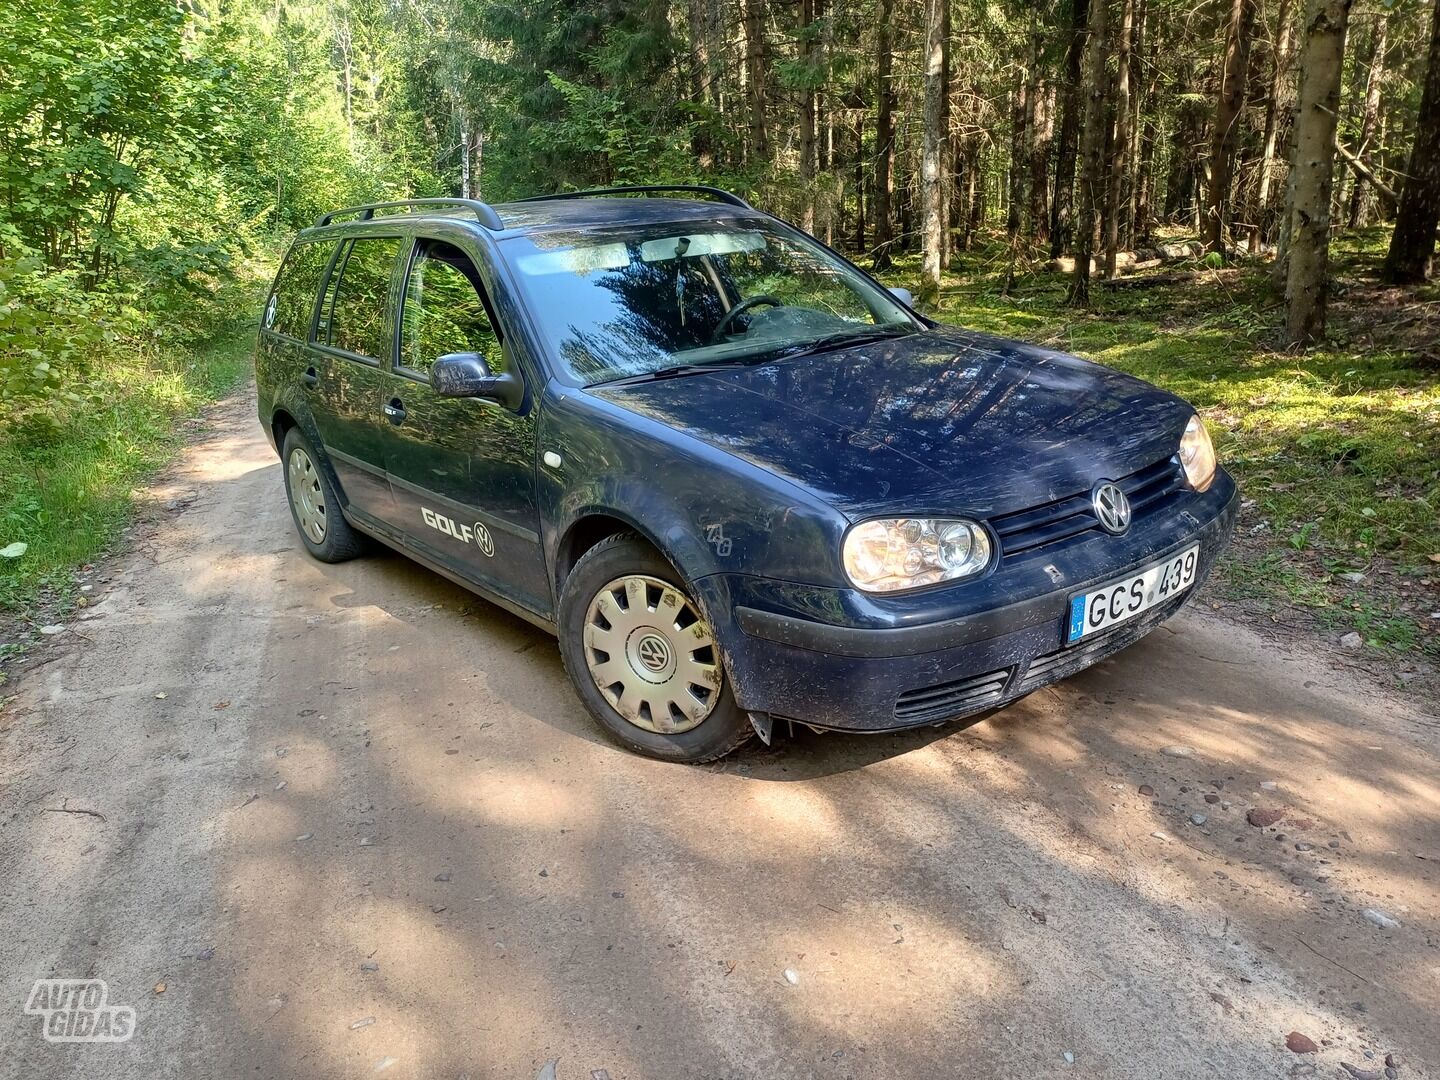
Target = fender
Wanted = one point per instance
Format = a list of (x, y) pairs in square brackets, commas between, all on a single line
[(706, 510)]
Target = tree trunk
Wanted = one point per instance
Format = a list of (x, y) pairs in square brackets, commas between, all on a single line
[(882, 212), (960, 155), (699, 72), (976, 188), (1041, 127), (1019, 116), (932, 156), (860, 183), (1122, 137), (1313, 173), (1279, 72), (807, 120), (464, 159), (947, 149), (757, 80), (1063, 205), (1412, 245), (1231, 99), (1359, 198), (1092, 151)]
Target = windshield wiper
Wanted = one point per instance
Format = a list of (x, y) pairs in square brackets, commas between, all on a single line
[(843, 339), (675, 372), (840, 339)]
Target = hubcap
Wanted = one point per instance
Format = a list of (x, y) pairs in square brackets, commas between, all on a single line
[(652, 655), (307, 497)]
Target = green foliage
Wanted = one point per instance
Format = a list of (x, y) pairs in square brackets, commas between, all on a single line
[(152, 157), (47, 327)]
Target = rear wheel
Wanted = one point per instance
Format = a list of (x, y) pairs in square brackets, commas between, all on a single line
[(313, 505), (643, 657)]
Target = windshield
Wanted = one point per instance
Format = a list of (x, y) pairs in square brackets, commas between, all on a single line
[(617, 305)]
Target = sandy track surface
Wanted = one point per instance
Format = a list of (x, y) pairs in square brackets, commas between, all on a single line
[(331, 794)]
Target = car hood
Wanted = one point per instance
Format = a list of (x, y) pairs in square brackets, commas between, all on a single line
[(934, 422)]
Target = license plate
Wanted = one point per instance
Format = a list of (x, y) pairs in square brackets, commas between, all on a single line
[(1124, 598)]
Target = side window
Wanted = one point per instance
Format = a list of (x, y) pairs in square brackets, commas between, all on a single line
[(293, 301), (355, 297), (445, 310)]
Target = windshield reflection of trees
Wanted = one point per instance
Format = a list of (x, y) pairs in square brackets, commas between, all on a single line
[(664, 308)]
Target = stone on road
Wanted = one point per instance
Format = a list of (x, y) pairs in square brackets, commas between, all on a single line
[(403, 813)]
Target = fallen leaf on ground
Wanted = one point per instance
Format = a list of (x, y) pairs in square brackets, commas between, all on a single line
[(1300, 1044)]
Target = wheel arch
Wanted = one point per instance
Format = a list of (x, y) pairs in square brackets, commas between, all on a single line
[(280, 422), (589, 529)]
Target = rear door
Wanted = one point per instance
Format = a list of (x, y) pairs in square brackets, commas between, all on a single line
[(353, 329), (284, 355), (462, 470)]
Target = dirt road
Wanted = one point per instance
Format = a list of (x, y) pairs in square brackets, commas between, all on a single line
[(332, 794)]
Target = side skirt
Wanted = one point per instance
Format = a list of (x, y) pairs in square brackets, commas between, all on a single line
[(359, 520)]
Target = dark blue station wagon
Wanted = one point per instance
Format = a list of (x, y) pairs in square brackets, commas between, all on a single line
[(741, 481)]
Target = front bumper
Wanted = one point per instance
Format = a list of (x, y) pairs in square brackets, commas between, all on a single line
[(861, 674)]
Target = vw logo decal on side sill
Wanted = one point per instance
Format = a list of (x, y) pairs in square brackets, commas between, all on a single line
[(484, 541), (1112, 507)]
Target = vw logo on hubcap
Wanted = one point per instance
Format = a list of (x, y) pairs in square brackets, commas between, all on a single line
[(1112, 508), (654, 652)]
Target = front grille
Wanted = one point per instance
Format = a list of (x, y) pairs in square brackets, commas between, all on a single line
[(1026, 530), (951, 699)]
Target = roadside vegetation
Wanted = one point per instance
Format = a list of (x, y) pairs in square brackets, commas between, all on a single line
[(1337, 449), (153, 160), (70, 481)]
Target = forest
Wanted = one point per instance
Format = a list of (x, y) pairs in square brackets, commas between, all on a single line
[(1188, 188)]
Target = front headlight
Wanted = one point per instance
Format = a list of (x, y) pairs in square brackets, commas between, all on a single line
[(1197, 454), (891, 554)]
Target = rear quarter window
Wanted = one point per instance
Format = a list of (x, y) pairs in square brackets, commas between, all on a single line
[(292, 303)]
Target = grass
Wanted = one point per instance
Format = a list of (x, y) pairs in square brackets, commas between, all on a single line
[(68, 487), (1337, 449)]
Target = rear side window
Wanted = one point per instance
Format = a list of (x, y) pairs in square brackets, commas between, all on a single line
[(356, 294), (293, 301)]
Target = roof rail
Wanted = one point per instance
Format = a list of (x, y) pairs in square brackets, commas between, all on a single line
[(484, 213), (718, 194)]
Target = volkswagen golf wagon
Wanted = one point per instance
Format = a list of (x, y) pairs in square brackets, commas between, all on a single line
[(742, 482)]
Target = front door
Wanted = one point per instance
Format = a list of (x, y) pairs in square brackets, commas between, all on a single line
[(462, 471), (352, 335)]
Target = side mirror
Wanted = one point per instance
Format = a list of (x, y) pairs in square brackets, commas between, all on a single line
[(466, 374), (905, 296)]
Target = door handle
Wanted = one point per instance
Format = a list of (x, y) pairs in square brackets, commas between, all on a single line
[(310, 378), (395, 411)]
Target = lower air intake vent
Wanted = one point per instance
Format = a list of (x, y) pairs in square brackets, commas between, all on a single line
[(951, 699)]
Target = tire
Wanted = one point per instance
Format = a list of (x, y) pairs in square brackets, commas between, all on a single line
[(313, 506), (668, 674)]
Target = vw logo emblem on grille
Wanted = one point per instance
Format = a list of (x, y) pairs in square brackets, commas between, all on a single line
[(654, 652), (1112, 508)]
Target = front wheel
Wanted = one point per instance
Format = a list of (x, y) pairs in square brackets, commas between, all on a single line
[(643, 658)]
